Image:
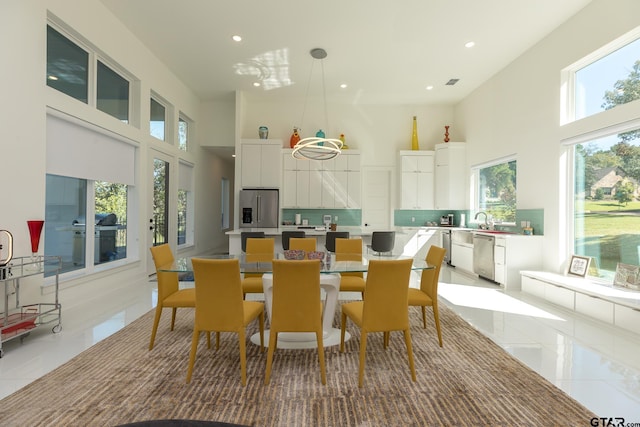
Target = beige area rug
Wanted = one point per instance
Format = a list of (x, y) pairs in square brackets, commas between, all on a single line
[(471, 381)]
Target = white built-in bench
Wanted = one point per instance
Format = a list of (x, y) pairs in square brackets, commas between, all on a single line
[(616, 306)]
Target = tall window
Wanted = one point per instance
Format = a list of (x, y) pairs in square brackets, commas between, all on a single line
[(67, 66), (157, 119), (496, 190), (112, 93), (185, 204), (607, 200), (606, 161)]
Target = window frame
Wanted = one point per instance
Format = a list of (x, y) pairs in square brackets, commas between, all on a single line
[(475, 182)]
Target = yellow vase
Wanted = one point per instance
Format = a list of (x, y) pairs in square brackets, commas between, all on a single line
[(414, 135)]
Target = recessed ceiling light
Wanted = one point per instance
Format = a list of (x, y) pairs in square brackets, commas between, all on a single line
[(52, 77), (256, 84), (236, 38), (469, 44), (343, 86), (429, 87)]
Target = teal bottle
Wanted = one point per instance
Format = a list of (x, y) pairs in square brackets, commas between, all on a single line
[(320, 134)]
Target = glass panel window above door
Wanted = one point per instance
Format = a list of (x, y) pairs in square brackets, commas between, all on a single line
[(112, 93), (157, 119), (183, 134), (67, 66)]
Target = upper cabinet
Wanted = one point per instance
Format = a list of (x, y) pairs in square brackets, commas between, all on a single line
[(416, 179), (451, 175), (261, 163), (313, 184)]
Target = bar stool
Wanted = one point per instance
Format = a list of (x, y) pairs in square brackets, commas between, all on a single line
[(244, 235), (286, 235)]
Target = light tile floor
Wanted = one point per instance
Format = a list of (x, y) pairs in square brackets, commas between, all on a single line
[(596, 364)]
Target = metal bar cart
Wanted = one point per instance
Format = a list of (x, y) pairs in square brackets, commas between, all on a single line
[(19, 320)]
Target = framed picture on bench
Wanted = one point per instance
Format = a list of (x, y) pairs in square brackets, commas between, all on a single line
[(627, 276), (579, 265)]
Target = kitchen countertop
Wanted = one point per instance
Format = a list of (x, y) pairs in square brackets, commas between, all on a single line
[(353, 230)]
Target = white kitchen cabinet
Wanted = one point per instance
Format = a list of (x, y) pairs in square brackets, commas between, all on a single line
[(514, 253), (295, 181), (347, 193), (261, 162), (462, 253), (416, 179), (450, 175)]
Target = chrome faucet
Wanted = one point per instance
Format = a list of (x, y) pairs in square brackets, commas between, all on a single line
[(484, 226)]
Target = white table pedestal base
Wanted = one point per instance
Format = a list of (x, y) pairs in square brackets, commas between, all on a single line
[(302, 339)]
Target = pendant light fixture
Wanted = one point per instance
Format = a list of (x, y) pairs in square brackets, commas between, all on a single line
[(318, 147)]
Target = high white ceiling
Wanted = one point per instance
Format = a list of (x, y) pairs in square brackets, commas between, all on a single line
[(387, 51)]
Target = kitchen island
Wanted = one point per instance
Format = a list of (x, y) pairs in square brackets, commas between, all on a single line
[(235, 244)]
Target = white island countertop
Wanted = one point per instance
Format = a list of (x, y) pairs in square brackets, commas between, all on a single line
[(313, 230)]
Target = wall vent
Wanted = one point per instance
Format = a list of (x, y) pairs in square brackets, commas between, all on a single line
[(451, 82)]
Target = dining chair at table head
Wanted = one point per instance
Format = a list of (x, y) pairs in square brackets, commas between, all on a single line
[(296, 305), (330, 239), (244, 235), (169, 293), (427, 295), (382, 242), (350, 250), (221, 308), (258, 249), (288, 234), (384, 308), (307, 244)]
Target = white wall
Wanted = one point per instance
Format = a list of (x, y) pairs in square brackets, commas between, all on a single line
[(23, 120), (518, 111)]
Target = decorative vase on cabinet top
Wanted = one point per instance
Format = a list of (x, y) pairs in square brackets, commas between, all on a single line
[(414, 135), (295, 137)]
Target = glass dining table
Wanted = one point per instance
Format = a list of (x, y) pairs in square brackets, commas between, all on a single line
[(330, 270)]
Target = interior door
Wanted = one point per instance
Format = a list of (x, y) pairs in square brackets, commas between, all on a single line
[(159, 225)]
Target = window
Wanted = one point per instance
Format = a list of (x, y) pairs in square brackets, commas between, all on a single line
[(67, 66), (67, 228), (157, 119), (606, 201), (608, 82), (496, 190), (112, 93), (605, 158), (183, 134)]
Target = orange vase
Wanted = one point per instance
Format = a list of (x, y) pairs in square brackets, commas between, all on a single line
[(294, 138)]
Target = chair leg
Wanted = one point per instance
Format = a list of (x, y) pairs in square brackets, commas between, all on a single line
[(323, 372), (343, 329), (243, 356), (436, 319), (156, 321), (192, 354), (385, 340), (363, 351), (273, 338), (407, 340), (261, 322), (173, 317), (424, 317)]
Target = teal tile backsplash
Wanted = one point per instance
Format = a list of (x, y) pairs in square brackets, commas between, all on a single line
[(350, 217)]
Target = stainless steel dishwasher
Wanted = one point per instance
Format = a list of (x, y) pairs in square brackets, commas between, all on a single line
[(483, 259)]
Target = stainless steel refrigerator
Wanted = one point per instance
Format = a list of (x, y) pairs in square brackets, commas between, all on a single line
[(259, 208)]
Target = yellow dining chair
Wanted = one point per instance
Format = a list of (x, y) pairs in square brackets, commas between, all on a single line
[(350, 250), (220, 307), (307, 244), (169, 293), (384, 308), (296, 305), (260, 249), (427, 295)]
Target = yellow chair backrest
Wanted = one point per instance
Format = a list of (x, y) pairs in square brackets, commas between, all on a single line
[(386, 306), (349, 250), (167, 282), (429, 278), (260, 249), (218, 294), (296, 295), (307, 244)]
